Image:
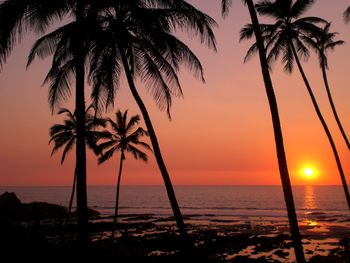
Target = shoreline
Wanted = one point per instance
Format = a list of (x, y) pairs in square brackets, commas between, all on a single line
[(156, 239), (232, 241), (151, 237)]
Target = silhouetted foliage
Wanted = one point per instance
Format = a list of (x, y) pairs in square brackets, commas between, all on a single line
[(256, 29), (346, 15), (322, 42), (287, 37), (124, 137), (65, 136), (137, 37)]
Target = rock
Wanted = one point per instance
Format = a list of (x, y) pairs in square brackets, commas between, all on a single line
[(10, 206), (43, 210), (9, 200), (93, 213)]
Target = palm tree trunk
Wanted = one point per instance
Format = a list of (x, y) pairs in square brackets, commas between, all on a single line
[(325, 78), (82, 211), (325, 127), (117, 194), (72, 195), (282, 161), (157, 152)]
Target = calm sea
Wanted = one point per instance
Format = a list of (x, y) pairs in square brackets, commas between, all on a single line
[(206, 201)]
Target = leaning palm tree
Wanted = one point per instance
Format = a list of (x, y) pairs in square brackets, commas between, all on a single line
[(322, 42), (65, 136), (287, 36), (17, 17), (137, 38), (282, 160), (124, 137)]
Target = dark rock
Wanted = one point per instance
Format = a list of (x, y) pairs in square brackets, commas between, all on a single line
[(43, 210), (93, 213), (9, 200), (11, 208)]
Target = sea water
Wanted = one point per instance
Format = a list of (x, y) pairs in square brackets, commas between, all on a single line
[(200, 201)]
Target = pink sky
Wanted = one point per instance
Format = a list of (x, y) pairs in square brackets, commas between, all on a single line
[(220, 133)]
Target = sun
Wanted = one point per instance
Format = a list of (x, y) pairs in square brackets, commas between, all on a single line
[(309, 172)]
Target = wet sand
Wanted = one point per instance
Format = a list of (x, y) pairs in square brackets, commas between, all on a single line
[(226, 239), (237, 239)]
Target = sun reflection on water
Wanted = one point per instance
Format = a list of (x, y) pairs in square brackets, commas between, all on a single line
[(309, 198), (309, 205)]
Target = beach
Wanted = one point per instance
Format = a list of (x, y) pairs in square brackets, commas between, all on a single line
[(218, 235)]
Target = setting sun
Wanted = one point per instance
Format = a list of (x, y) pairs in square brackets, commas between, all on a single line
[(309, 172)]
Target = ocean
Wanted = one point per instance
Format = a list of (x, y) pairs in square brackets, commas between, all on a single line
[(201, 201)]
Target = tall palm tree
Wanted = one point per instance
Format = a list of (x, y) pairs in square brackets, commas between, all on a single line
[(281, 155), (19, 16), (65, 136), (287, 36), (137, 38), (124, 137), (322, 42)]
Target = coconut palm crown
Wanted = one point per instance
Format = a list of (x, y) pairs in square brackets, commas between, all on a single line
[(322, 43), (124, 137), (287, 37)]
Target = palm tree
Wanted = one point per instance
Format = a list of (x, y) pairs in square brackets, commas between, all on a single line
[(19, 16), (65, 136), (71, 45), (287, 36), (123, 138), (322, 42), (137, 38), (282, 160)]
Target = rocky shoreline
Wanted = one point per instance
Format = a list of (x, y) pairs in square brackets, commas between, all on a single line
[(41, 232)]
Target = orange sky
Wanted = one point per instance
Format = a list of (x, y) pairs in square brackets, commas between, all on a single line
[(221, 132)]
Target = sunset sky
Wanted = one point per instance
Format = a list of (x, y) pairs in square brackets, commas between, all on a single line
[(221, 131)]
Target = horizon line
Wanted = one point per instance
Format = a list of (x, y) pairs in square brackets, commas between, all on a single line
[(185, 185)]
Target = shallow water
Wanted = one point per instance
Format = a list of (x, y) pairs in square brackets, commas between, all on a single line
[(206, 201)]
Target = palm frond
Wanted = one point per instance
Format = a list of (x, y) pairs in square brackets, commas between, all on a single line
[(225, 5), (60, 83), (68, 147), (346, 15), (107, 155), (47, 45), (138, 154), (300, 7), (17, 17), (288, 59)]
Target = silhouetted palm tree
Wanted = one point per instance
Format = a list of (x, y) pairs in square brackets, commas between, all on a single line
[(346, 15), (322, 42), (19, 16), (282, 160), (65, 136), (287, 36), (137, 38), (124, 137)]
